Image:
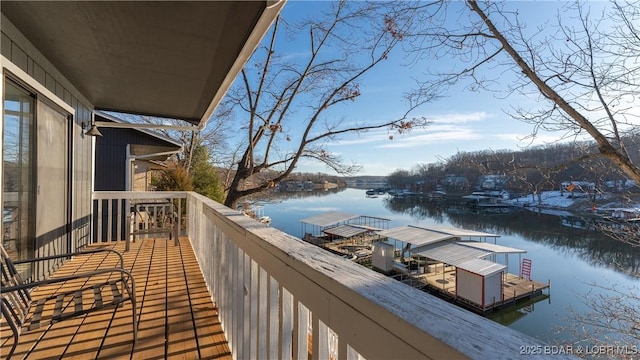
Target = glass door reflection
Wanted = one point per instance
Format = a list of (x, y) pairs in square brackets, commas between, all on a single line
[(17, 177)]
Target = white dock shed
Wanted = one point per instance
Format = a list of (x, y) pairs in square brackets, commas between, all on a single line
[(382, 257), (480, 281), (476, 280)]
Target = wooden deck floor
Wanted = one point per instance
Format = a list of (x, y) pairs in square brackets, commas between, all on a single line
[(177, 319)]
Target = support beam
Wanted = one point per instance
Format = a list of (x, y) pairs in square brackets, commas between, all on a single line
[(107, 124)]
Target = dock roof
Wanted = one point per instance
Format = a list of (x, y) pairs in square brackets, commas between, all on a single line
[(496, 249), (415, 235), (481, 267), (347, 231), (451, 253), (329, 218), (458, 232)]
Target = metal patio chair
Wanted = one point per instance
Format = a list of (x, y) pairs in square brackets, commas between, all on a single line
[(106, 288)]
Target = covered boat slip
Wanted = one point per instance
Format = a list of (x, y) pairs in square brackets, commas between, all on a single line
[(418, 236), (414, 240), (414, 236), (347, 231), (328, 219), (334, 225), (465, 271), (344, 234)]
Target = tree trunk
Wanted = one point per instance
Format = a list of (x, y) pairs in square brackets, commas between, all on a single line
[(233, 196), (235, 192)]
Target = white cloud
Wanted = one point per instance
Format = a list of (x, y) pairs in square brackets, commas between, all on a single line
[(447, 127), (294, 56), (443, 136), (371, 136), (459, 118)]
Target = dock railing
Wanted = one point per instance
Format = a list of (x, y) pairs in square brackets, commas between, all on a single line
[(279, 297)]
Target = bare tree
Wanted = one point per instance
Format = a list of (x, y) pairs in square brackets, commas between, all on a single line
[(399, 179), (284, 101), (610, 327), (583, 66), (621, 231), (584, 69)]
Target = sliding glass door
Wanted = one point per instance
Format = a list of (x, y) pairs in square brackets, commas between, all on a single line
[(52, 204), (35, 178), (18, 154)]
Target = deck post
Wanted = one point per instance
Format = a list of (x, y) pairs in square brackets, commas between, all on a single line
[(131, 223)]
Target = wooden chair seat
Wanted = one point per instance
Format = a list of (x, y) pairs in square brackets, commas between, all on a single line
[(83, 293)]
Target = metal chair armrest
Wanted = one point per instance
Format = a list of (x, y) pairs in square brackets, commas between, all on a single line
[(67, 278), (77, 253)]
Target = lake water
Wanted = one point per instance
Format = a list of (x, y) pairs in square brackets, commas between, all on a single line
[(571, 259)]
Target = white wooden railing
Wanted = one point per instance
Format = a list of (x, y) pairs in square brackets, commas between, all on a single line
[(112, 210), (282, 298)]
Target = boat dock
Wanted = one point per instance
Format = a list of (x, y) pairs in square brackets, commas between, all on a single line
[(458, 265), (443, 284), (347, 235)]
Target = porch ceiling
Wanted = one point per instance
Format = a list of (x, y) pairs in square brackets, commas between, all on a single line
[(158, 58)]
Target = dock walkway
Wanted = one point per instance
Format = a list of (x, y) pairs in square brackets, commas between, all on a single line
[(514, 288)]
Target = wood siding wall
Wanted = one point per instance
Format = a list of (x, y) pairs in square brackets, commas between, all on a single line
[(19, 51)]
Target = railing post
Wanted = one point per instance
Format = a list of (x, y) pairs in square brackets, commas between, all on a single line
[(274, 318), (175, 224), (128, 224), (109, 219), (99, 222)]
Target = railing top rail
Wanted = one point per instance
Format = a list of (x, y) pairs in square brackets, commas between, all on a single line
[(137, 195)]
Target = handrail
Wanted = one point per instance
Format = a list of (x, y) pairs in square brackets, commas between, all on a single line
[(132, 195)]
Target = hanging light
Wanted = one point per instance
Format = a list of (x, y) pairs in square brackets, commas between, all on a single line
[(93, 131)]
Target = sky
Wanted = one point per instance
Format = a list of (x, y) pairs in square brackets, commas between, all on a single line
[(461, 121)]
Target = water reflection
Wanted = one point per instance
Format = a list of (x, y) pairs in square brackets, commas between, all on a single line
[(283, 195), (572, 259), (510, 315), (588, 245), (416, 208)]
